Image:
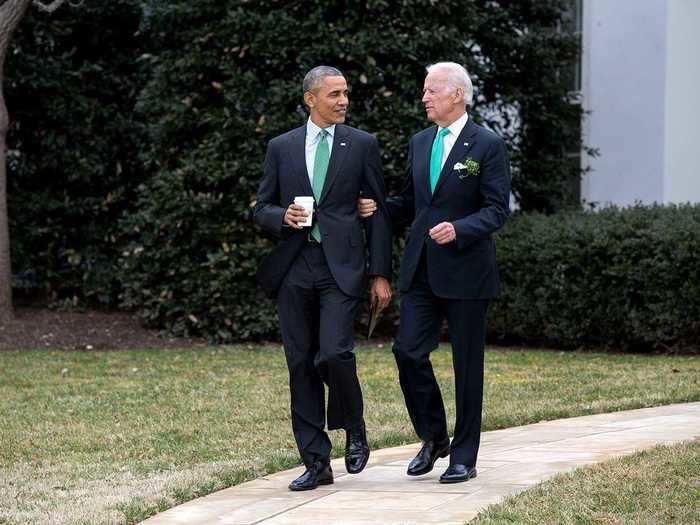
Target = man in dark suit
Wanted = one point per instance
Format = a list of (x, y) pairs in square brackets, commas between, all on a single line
[(455, 196), (319, 274)]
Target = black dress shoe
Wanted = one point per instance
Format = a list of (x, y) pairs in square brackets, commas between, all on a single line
[(315, 475), (356, 450), (428, 455), (458, 473)]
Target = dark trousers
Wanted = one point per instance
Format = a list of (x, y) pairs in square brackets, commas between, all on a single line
[(316, 320), (422, 313)]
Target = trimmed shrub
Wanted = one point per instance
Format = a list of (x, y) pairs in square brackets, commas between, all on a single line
[(627, 279)]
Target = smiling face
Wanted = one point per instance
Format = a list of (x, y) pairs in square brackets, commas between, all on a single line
[(328, 102), (443, 103)]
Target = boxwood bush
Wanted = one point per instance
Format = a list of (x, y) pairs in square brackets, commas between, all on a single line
[(617, 279), (627, 279)]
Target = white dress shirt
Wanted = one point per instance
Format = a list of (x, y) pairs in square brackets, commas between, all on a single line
[(448, 141), (313, 137)]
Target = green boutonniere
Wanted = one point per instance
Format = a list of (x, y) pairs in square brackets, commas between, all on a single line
[(468, 165)]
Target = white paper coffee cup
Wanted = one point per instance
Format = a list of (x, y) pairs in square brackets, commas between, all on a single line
[(308, 204)]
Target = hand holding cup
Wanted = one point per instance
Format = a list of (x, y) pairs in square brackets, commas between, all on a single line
[(299, 214)]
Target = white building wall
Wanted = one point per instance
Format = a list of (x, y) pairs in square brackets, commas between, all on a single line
[(682, 103), (624, 87)]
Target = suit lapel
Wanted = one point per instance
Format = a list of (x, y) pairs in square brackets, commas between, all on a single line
[(463, 144), (341, 146), (297, 152)]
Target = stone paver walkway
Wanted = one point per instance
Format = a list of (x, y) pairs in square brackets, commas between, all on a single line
[(510, 460)]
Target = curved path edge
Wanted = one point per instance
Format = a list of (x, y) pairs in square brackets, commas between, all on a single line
[(510, 461)]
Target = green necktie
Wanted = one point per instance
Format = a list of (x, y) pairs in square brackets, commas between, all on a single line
[(320, 170), (436, 159)]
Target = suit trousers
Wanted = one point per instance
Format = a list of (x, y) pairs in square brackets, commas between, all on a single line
[(422, 314), (316, 321)]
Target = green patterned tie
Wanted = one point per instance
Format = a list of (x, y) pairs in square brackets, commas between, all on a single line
[(436, 159), (320, 170)]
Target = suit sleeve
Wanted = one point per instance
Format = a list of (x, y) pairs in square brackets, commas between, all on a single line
[(378, 226), (401, 207), (495, 190), (267, 213)]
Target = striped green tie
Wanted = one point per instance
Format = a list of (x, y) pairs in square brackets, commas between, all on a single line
[(320, 170), (436, 159)]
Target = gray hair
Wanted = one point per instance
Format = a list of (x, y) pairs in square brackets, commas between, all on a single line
[(313, 78), (457, 77)]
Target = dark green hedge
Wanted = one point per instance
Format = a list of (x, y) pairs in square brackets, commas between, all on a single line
[(226, 78), (625, 279), (139, 130), (70, 85), (113, 95)]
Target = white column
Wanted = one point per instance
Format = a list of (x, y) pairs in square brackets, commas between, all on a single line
[(623, 84), (682, 103)]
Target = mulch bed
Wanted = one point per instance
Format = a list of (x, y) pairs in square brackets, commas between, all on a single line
[(37, 328)]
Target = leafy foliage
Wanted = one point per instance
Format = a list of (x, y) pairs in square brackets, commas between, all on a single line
[(72, 161), (140, 128), (623, 278), (226, 78)]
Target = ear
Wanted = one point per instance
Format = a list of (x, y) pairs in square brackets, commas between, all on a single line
[(459, 94), (309, 99)]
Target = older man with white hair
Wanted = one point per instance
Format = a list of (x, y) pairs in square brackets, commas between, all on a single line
[(455, 196)]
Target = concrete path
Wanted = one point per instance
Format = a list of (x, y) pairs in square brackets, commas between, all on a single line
[(510, 461)]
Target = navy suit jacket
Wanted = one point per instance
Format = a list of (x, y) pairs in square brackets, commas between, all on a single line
[(476, 204), (354, 167)]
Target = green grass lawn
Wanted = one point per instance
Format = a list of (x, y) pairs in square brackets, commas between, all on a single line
[(653, 487), (112, 437)]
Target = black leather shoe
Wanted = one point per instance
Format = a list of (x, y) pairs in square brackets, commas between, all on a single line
[(315, 475), (356, 450), (428, 455), (458, 473)]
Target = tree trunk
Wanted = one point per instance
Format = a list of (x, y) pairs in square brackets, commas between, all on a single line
[(11, 12)]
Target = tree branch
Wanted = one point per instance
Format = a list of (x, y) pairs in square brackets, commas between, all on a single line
[(50, 7), (10, 7), (11, 12)]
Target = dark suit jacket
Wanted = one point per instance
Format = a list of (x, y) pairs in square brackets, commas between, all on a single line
[(354, 166), (477, 206)]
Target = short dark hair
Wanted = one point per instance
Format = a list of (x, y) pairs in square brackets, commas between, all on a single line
[(313, 77)]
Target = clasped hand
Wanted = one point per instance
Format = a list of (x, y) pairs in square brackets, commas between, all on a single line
[(441, 233)]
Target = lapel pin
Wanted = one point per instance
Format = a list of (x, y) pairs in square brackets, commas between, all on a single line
[(342, 143), (466, 143)]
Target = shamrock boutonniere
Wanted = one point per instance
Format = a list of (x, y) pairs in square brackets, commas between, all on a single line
[(469, 166)]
